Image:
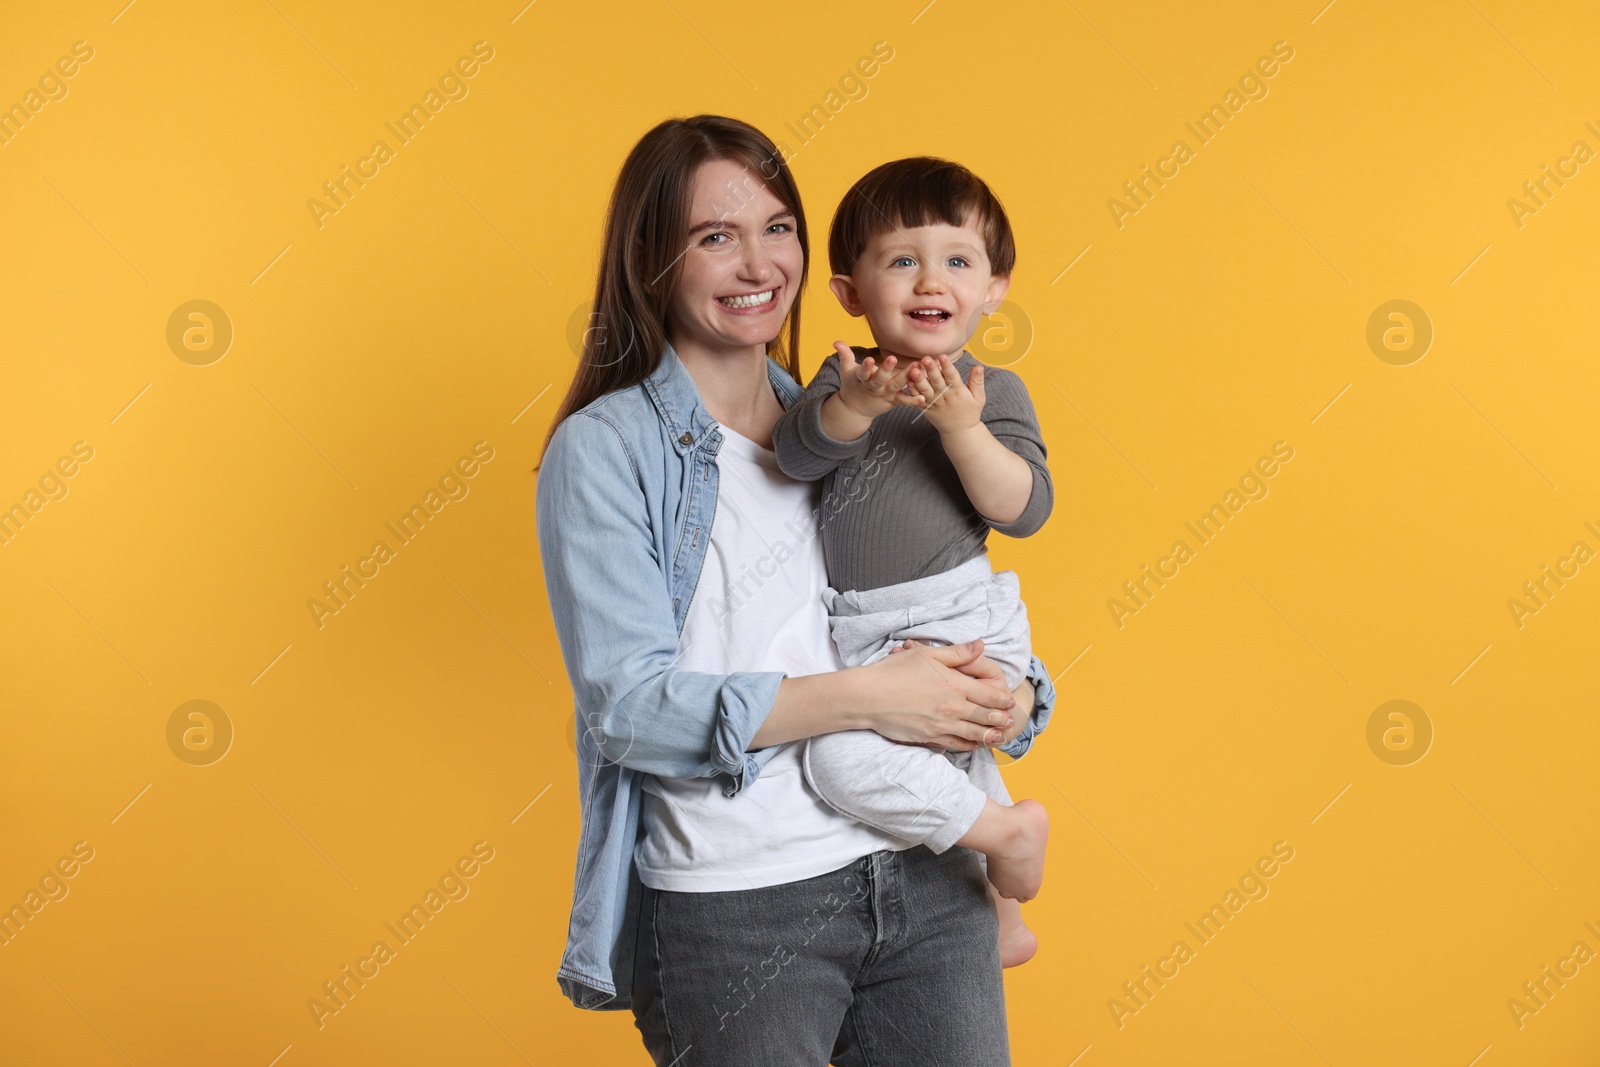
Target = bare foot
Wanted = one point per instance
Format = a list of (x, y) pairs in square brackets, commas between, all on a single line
[(1017, 942), (1016, 860)]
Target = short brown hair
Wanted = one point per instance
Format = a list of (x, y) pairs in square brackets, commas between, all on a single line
[(920, 191)]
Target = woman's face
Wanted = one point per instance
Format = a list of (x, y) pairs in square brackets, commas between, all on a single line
[(742, 263)]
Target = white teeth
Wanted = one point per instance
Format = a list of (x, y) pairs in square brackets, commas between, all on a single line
[(928, 313), (751, 301)]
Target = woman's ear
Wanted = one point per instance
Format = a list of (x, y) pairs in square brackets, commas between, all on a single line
[(845, 289), (997, 293)]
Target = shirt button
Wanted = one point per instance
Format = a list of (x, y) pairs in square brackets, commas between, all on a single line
[(686, 439)]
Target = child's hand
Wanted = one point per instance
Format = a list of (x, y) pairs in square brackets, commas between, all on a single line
[(870, 388), (949, 403)]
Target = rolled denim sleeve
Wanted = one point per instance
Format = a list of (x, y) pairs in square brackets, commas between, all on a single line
[(1044, 703), (614, 615)]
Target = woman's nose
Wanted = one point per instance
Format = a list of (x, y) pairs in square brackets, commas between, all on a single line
[(756, 264)]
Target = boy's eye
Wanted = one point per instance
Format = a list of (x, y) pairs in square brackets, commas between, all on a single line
[(903, 261), (957, 261)]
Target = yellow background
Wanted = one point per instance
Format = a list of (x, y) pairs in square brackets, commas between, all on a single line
[(370, 353)]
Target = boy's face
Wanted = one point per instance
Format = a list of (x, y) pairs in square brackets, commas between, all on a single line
[(922, 289)]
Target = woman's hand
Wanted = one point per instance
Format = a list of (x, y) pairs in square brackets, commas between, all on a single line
[(940, 696), (987, 670)]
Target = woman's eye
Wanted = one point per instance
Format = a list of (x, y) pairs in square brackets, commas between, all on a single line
[(779, 227), (712, 239)]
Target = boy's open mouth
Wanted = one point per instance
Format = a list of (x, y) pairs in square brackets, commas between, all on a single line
[(748, 300), (929, 315)]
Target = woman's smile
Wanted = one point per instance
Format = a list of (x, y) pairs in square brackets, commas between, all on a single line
[(757, 303)]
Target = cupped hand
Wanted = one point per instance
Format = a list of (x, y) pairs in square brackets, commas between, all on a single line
[(873, 386), (929, 698), (952, 405)]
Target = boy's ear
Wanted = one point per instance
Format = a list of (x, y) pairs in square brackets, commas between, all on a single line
[(845, 289), (997, 292)]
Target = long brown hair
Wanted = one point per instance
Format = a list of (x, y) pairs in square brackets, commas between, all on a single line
[(640, 261)]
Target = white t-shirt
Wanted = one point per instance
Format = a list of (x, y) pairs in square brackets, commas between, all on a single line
[(757, 607)]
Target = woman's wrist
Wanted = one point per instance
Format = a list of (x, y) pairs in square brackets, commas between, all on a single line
[(812, 704)]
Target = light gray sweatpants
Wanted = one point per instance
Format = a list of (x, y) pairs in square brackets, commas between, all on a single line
[(914, 793)]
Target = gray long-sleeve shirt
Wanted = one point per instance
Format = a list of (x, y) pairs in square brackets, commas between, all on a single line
[(893, 508)]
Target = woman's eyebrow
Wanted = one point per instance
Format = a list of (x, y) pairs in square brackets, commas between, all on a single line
[(723, 223)]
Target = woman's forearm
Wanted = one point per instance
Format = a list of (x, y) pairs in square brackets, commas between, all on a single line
[(814, 704), (944, 695)]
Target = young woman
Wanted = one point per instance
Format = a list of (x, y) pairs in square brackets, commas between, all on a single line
[(716, 895)]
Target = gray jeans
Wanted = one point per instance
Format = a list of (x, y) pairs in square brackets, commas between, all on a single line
[(888, 962)]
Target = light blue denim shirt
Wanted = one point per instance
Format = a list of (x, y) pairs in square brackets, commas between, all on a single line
[(626, 494)]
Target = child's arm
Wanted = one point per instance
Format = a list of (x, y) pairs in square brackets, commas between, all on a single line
[(828, 425), (994, 446)]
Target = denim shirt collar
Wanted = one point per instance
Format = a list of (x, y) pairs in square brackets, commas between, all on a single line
[(677, 400)]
